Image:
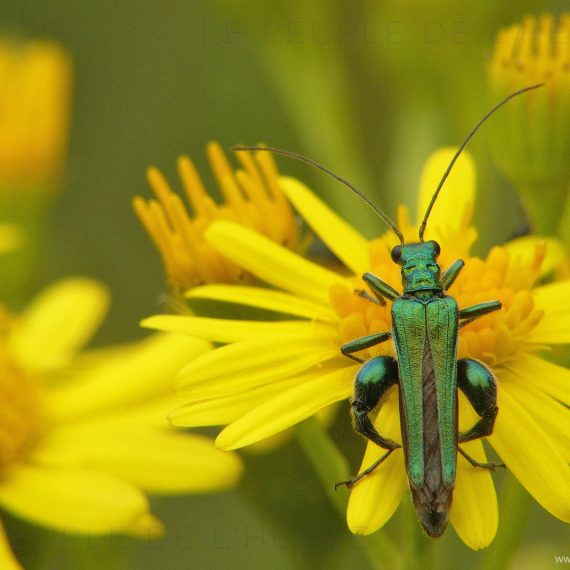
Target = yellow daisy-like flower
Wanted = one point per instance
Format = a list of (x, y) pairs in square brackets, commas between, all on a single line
[(271, 375), (83, 437), (253, 197)]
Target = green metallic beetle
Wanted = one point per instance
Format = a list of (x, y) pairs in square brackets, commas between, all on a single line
[(425, 327), (425, 324)]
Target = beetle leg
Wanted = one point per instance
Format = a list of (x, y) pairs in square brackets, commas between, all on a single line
[(372, 382), (380, 289), (366, 295), (478, 310), (363, 342), (477, 382), (447, 279), (490, 466), (349, 483)]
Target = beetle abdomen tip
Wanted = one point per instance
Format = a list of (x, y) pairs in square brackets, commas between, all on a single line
[(434, 522)]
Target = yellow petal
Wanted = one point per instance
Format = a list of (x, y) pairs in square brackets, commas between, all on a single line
[(554, 300), (156, 460), (531, 456), (287, 409), (552, 416), (227, 408), (135, 376), (457, 194), (552, 379), (341, 238), (7, 559), (247, 364), (263, 299), (76, 501), (59, 322), (374, 499), (227, 330), (474, 512), (524, 248), (271, 262)]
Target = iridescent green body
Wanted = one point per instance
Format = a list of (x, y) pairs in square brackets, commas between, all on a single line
[(425, 326)]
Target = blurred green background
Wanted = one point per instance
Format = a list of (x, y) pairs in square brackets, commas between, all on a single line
[(367, 88)]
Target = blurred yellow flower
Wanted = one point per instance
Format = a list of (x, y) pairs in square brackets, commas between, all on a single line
[(12, 237), (83, 437), (35, 90), (272, 375), (253, 197), (531, 137)]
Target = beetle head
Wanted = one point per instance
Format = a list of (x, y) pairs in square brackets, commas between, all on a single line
[(420, 271)]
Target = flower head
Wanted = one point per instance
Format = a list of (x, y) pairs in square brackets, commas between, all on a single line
[(82, 437), (530, 139), (35, 93), (253, 197), (271, 375)]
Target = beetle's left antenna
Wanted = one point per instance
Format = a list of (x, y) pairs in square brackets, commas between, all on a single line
[(460, 150), (302, 158)]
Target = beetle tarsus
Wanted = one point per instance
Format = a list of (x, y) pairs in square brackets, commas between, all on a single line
[(349, 483), (366, 295), (475, 463)]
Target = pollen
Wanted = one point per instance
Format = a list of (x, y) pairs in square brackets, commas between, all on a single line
[(20, 400), (34, 119), (251, 196)]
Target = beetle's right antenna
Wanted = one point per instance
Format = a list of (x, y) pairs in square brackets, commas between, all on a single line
[(460, 150), (302, 158)]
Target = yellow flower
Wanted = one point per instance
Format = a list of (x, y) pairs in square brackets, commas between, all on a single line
[(530, 138), (83, 437), (253, 197), (12, 237), (271, 375), (35, 93)]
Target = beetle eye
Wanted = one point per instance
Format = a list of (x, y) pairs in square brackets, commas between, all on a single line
[(436, 248), (396, 253)]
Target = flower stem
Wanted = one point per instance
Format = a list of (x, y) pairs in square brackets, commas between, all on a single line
[(517, 505), (330, 466)]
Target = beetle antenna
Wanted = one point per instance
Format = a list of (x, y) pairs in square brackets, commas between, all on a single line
[(302, 158), (460, 150)]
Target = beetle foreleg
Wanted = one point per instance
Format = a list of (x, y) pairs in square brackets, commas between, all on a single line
[(477, 383), (366, 295), (363, 342), (379, 288), (447, 279)]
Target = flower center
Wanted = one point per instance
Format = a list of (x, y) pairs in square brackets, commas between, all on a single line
[(494, 339), (20, 402)]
